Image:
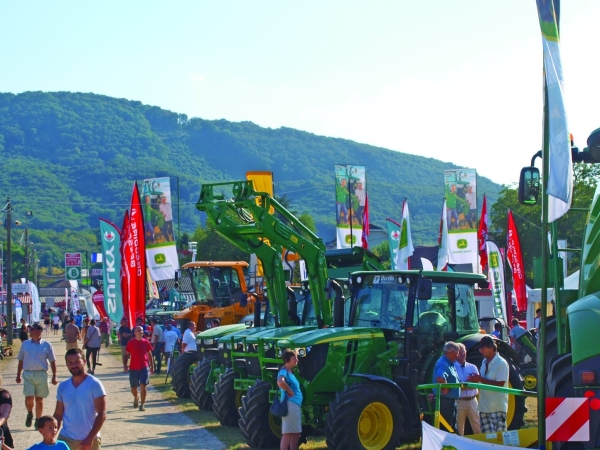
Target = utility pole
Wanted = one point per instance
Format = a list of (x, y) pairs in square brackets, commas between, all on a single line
[(26, 257), (9, 308)]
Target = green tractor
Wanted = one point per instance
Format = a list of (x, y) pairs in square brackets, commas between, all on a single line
[(359, 381)]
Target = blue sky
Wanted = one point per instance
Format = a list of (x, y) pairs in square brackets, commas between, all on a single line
[(458, 81)]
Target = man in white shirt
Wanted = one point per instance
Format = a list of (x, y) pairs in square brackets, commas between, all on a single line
[(494, 371), (466, 405), (170, 338), (157, 344), (188, 344)]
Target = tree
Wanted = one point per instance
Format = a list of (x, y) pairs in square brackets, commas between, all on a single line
[(383, 251)]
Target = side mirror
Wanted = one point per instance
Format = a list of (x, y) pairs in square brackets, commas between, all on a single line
[(424, 288), (529, 186)]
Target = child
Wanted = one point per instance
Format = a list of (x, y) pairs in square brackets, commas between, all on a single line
[(48, 427)]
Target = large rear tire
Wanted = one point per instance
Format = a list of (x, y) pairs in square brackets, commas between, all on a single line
[(259, 428), (200, 396), (560, 384), (226, 400), (365, 416), (180, 373)]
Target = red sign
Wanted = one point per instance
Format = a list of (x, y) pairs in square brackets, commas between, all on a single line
[(72, 259)]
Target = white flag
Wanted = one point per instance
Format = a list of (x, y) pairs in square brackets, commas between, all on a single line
[(443, 241), (406, 245)]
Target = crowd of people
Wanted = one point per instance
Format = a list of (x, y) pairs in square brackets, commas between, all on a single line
[(80, 407)]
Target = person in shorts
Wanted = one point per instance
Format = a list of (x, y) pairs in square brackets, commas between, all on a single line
[(141, 366), (124, 334), (34, 356), (55, 321), (291, 425), (494, 371)]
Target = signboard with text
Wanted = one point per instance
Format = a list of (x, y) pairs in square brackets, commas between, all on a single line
[(73, 266)]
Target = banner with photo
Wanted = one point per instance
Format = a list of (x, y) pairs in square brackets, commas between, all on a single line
[(350, 202), (460, 187), (161, 252)]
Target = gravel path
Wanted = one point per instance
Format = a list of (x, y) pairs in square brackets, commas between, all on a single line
[(161, 426)]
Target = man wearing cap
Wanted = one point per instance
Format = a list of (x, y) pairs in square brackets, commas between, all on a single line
[(466, 404), (33, 359), (445, 372), (494, 371)]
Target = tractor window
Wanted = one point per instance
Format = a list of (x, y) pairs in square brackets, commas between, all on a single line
[(432, 317), (202, 282), (382, 305), (466, 314)]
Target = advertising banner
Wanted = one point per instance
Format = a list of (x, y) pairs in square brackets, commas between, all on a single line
[(136, 263), (110, 240), (515, 261), (461, 216), (482, 235), (442, 261), (159, 237), (497, 284), (350, 202), (98, 300), (434, 439)]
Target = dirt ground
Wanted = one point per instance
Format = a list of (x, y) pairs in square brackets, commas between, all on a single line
[(161, 426)]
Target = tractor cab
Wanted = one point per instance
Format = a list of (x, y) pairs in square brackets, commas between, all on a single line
[(419, 311)]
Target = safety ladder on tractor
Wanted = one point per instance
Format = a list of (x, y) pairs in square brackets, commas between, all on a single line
[(527, 437)]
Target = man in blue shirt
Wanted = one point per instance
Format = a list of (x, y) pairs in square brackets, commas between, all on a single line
[(78, 319), (445, 372)]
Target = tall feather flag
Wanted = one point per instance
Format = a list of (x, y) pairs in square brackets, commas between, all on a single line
[(406, 245), (560, 175), (365, 224), (110, 238), (442, 263), (482, 237), (136, 265), (394, 229), (124, 274), (515, 261)]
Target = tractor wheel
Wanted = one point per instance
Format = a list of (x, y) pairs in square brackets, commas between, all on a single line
[(226, 400), (530, 382), (516, 404), (200, 396), (180, 373), (560, 384), (258, 432), (365, 416)]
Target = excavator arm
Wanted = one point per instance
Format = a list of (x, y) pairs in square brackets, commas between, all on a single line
[(244, 218)]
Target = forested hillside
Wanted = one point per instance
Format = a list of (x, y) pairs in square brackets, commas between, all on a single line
[(71, 158)]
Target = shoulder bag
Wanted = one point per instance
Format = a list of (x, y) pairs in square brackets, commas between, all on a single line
[(279, 408), (85, 342)]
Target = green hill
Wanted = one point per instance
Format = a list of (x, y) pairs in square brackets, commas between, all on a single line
[(71, 158)]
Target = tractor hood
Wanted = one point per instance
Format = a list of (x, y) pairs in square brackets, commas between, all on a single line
[(584, 316), (217, 332), (325, 335)]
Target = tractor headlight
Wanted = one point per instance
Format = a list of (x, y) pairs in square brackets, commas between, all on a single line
[(228, 346), (208, 341), (301, 352), (279, 352), (221, 346)]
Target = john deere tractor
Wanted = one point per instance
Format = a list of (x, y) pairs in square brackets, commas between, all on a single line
[(255, 222), (359, 381)]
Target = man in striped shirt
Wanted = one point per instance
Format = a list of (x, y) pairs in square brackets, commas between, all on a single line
[(466, 404)]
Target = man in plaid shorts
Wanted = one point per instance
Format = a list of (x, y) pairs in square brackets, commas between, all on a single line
[(494, 371)]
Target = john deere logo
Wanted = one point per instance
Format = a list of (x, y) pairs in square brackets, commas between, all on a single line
[(160, 258), (462, 243), (350, 239)]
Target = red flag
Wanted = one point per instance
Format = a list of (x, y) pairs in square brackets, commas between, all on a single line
[(515, 260), (482, 236), (124, 250), (365, 224), (98, 299), (136, 264)]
